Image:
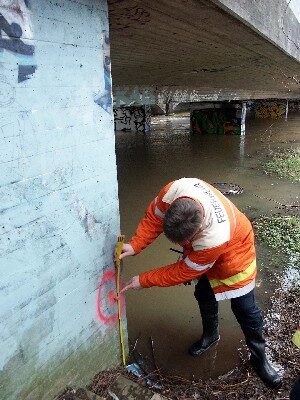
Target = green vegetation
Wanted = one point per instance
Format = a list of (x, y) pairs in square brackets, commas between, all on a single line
[(281, 233), (285, 164)]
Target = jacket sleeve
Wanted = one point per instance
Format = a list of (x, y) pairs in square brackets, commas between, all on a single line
[(151, 226), (195, 264)]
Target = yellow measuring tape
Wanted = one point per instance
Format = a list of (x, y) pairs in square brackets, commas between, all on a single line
[(118, 252)]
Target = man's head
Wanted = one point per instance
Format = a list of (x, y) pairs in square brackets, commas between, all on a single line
[(182, 220)]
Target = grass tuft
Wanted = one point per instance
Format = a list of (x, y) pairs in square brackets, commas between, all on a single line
[(285, 164), (281, 233)]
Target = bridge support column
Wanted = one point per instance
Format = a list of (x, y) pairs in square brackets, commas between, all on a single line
[(219, 118), (133, 118)]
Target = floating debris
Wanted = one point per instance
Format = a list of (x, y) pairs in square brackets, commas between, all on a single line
[(228, 188)]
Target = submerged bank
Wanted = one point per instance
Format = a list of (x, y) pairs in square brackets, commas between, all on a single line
[(281, 320), (241, 383)]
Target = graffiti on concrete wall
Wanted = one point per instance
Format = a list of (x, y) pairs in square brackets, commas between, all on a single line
[(16, 35), (216, 121), (135, 118), (107, 305), (270, 109), (104, 99)]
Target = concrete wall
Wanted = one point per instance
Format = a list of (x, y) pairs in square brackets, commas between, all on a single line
[(58, 197)]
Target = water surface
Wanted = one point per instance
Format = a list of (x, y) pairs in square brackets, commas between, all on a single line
[(146, 162)]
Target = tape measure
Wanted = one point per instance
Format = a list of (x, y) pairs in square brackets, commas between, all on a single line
[(118, 252)]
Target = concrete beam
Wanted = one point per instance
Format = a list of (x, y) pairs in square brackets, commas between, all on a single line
[(209, 50), (130, 95), (274, 21)]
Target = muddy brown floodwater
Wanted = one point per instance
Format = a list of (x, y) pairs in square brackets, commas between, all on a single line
[(146, 162)]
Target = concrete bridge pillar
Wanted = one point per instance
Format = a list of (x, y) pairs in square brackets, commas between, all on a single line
[(133, 118), (219, 118)]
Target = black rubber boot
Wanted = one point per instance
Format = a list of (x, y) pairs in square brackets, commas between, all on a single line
[(210, 335), (256, 344)]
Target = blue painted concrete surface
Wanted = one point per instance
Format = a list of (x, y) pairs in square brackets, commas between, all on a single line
[(58, 197)]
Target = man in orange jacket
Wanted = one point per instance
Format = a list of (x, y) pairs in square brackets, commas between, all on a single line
[(218, 251)]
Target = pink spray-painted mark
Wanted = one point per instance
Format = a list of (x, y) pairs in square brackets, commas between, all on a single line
[(107, 305)]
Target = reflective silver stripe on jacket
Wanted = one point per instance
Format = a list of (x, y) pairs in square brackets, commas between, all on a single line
[(157, 211), (196, 266), (231, 294)]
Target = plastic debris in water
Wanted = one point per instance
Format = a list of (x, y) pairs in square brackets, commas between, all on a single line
[(136, 370)]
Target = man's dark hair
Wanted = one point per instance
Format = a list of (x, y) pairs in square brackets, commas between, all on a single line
[(182, 220)]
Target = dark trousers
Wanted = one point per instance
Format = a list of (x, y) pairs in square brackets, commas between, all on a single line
[(295, 393), (245, 309)]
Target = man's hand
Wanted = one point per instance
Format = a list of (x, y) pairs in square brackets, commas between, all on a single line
[(133, 283), (127, 251)]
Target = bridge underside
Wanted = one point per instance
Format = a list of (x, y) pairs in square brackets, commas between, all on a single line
[(198, 50)]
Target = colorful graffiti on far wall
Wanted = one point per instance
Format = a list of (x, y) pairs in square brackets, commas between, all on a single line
[(16, 35), (216, 121), (270, 109)]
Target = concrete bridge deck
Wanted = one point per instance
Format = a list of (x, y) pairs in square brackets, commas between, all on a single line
[(220, 49)]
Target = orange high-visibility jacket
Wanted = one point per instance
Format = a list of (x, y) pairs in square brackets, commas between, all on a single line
[(224, 250)]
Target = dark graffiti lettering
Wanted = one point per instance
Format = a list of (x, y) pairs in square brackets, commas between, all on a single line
[(124, 117), (25, 72), (16, 36), (13, 43)]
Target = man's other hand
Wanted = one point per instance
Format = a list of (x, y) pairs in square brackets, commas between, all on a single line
[(127, 251), (133, 283)]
